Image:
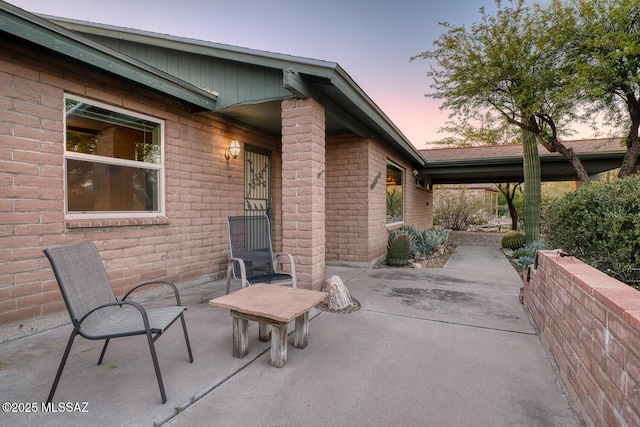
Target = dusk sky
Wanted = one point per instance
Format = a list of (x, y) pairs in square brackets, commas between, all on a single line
[(372, 40)]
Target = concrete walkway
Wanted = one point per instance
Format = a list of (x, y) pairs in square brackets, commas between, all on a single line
[(429, 347)]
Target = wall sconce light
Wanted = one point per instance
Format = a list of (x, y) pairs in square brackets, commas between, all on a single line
[(233, 151)]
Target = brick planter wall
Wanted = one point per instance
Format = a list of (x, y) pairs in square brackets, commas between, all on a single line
[(590, 323)]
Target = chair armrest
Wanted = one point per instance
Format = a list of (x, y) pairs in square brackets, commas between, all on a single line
[(156, 282), (243, 269), (137, 305), (277, 256)]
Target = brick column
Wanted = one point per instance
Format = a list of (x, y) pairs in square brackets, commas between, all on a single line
[(303, 188)]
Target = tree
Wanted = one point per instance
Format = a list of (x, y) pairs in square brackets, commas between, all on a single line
[(509, 190), (500, 65), (515, 64), (604, 44), (456, 209), (485, 130)]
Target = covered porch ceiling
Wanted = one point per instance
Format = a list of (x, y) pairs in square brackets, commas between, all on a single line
[(503, 163), (266, 116)]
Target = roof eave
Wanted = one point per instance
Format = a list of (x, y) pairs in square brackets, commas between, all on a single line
[(48, 35), (331, 71), (384, 126)]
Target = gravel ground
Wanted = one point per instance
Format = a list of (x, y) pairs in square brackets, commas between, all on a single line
[(475, 238)]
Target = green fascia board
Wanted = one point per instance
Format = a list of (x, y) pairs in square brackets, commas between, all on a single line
[(201, 47), (43, 33), (544, 158), (341, 80), (481, 170)]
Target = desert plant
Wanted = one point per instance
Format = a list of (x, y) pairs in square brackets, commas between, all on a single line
[(456, 209), (428, 241), (600, 224), (512, 240), (399, 250), (523, 262), (528, 249), (423, 242), (521, 252)]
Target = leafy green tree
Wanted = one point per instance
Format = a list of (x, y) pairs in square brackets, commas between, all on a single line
[(513, 64), (603, 45), (501, 65), (484, 130)]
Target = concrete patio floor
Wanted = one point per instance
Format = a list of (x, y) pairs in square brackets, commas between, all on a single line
[(428, 347)]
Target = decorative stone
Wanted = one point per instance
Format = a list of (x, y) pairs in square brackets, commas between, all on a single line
[(339, 297)]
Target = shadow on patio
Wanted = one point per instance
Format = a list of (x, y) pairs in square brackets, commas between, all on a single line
[(448, 346)]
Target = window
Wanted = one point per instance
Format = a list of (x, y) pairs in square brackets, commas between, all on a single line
[(394, 193), (113, 162)]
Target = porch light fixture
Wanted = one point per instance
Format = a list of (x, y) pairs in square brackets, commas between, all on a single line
[(233, 151)]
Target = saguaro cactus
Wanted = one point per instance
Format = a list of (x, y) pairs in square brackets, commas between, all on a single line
[(532, 186)]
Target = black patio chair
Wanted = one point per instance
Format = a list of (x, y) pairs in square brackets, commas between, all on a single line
[(251, 257), (97, 314)]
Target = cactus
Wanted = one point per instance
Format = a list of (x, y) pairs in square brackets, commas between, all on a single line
[(399, 250), (513, 240), (532, 185)]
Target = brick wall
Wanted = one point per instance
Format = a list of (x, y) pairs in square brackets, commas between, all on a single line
[(356, 199), (347, 202), (590, 323), (303, 183), (189, 246)]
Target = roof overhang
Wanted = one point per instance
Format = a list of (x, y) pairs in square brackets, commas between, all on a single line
[(45, 34), (347, 106), (510, 169)]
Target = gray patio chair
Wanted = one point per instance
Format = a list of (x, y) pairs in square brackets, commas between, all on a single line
[(96, 313), (251, 257)]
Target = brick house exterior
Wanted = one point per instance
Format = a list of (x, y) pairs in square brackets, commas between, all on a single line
[(327, 191)]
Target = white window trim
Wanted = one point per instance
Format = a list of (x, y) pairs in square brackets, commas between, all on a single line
[(114, 161)]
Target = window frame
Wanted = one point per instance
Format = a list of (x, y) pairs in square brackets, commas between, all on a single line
[(402, 171), (94, 158)]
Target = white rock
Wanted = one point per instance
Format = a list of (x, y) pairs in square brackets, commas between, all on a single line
[(339, 297)]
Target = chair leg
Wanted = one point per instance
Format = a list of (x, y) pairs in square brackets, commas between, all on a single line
[(186, 337), (156, 366), (54, 386), (229, 274), (104, 350)]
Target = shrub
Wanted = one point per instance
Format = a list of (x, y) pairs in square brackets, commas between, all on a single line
[(521, 252), (525, 255), (456, 209), (600, 224), (423, 242), (523, 262), (512, 240)]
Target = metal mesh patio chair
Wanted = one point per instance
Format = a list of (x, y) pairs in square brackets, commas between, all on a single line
[(251, 259), (96, 313)]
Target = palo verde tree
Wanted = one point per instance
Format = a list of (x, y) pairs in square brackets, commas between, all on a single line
[(512, 64), (603, 46)]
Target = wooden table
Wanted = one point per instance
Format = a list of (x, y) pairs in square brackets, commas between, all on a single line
[(272, 306)]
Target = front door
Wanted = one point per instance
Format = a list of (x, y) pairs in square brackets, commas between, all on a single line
[(257, 182)]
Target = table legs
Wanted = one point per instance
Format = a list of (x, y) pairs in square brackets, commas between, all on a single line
[(264, 332), (278, 346), (276, 330), (240, 337), (302, 331)]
